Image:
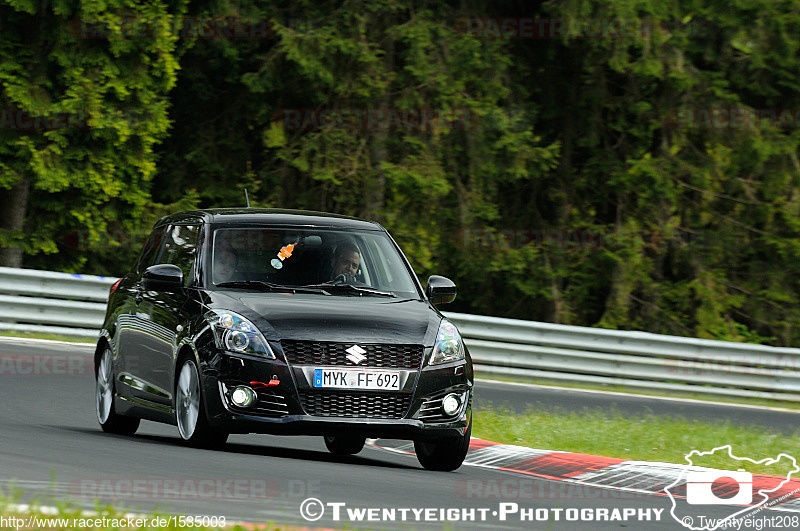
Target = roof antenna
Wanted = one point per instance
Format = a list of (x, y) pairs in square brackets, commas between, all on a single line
[(247, 198)]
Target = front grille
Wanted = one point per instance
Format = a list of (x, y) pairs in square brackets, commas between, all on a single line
[(319, 353), (360, 405)]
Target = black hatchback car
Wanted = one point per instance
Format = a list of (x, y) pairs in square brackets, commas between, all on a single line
[(284, 322)]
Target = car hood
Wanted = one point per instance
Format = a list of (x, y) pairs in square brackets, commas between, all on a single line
[(338, 318)]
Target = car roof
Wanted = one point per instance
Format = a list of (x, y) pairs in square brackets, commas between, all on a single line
[(269, 216)]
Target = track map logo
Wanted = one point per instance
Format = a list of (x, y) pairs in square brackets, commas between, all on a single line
[(729, 484)]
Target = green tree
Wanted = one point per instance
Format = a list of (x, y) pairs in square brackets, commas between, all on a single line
[(580, 177), (716, 205), (426, 183), (83, 87)]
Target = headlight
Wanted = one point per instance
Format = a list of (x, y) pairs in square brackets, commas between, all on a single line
[(234, 333), (449, 346)]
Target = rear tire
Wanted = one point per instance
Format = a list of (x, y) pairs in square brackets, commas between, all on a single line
[(446, 454), (193, 425), (345, 445), (109, 420)]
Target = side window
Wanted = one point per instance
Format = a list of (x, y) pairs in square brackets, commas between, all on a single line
[(181, 248), (151, 249), (384, 271)]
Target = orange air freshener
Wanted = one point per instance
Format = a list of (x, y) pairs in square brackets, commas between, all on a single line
[(283, 254)]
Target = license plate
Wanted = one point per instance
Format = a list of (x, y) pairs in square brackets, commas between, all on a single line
[(350, 379)]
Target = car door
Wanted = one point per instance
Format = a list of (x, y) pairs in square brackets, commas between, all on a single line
[(130, 335), (163, 313)]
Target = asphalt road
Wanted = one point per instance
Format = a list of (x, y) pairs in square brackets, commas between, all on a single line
[(51, 448)]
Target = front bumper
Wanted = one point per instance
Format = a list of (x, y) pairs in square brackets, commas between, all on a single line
[(309, 425), (294, 407)]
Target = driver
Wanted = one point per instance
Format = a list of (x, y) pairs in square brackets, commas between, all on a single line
[(346, 260)]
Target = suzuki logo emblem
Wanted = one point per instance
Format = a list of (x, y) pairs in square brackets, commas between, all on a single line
[(356, 354)]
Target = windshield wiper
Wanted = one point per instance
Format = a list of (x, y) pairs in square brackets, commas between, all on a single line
[(352, 289), (269, 286)]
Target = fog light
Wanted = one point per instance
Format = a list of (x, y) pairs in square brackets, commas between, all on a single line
[(243, 396), (450, 404)]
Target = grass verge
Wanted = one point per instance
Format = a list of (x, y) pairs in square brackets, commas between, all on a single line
[(760, 402), (51, 337), (64, 515), (646, 438)]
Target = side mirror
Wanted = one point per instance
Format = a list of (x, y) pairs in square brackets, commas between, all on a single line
[(163, 277), (440, 290)]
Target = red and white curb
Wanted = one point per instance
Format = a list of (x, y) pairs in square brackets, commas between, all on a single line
[(596, 471)]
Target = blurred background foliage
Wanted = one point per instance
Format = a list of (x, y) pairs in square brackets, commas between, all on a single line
[(581, 184)]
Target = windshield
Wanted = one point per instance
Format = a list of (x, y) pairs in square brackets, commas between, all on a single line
[(343, 262)]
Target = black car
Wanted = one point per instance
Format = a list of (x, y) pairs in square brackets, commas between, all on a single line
[(284, 322)]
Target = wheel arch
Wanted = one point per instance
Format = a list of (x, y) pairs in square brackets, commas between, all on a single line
[(103, 342), (186, 350)]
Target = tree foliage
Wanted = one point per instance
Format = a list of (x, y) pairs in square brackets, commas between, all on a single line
[(83, 105), (592, 176)]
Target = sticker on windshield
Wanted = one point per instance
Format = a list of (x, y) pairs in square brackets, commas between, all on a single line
[(283, 254)]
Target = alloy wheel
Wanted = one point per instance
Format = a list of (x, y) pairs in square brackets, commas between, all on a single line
[(187, 400)]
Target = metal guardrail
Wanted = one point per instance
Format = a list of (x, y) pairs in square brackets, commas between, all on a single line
[(510, 347), (68, 304), (50, 302)]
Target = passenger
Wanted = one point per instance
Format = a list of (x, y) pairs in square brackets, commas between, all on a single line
[(225, 262)]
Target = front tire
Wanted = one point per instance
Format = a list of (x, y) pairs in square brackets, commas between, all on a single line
[(345, 445), (109, 420), (193, 425), (444, 455)]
